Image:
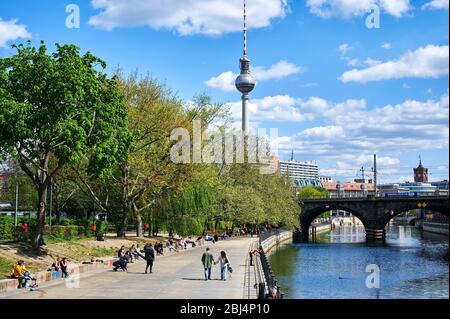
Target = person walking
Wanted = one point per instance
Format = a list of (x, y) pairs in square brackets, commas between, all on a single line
[(224, 263), (149, 257), (207, 261)]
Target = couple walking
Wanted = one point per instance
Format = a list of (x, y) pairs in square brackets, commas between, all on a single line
[(208, 261)]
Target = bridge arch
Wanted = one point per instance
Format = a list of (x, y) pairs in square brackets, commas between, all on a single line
[(389, 214), (309, 215), (374, 213)]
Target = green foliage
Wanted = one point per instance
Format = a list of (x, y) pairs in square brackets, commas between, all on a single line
[(313, 192), (58, 232), (66, 232), (6, 227), (27, 194), (102, 227), (59, 110)]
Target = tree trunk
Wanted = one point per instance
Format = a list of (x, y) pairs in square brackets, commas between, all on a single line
[(139, 225), (122, 230), (38, 240)]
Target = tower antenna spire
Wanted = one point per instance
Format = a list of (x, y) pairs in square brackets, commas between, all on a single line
[(245, 83), (245, 28)]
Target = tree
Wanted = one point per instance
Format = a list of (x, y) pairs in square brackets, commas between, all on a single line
[(58, 110), (312, 192)]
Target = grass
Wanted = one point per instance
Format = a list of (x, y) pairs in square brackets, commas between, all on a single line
[(5, 267)]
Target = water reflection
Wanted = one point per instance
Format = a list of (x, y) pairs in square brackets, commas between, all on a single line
[(412, 265)]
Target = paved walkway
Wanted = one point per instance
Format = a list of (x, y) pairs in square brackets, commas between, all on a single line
[(178, 276)]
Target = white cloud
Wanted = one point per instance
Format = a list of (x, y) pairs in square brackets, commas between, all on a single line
[(187, 17), (277, 71), (347, 9), (426, 62), (386, 46), (436, 5), (344, 48), (371, 62), (353, 133), (225, 81), (280, 108), (10, 31)]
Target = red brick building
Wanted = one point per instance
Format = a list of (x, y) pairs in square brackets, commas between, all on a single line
[(421, 174)]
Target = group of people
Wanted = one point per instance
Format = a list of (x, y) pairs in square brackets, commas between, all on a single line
[(26, 280), (134, 253), (61, 265), (208, 261)]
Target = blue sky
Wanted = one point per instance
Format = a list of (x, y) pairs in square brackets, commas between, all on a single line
[(336, 90)]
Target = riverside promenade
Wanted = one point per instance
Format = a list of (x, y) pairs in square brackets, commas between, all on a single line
[(176, 276)]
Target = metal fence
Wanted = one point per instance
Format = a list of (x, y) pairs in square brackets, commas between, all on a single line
[(273, 289)]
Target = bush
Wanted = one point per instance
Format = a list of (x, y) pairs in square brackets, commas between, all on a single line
[(58, 232), (102, 227), (6, 228), (71, 232)]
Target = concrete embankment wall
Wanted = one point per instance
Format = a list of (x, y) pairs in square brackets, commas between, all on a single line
[(276, 240), (437, 228), (45, 276), (320, 228)]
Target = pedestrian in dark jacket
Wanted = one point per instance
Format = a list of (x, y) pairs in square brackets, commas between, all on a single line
[(149, 257)]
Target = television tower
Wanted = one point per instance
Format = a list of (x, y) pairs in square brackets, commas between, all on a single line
[(245, 83)]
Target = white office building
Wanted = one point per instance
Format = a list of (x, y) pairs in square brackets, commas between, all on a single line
[(299, 170)]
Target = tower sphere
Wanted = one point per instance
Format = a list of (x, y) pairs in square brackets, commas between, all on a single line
[(245, 83)]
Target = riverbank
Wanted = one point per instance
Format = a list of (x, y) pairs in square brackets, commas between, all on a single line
[(436, 228), (76, 251), (176, 276)]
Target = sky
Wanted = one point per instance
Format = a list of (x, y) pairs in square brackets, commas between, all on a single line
[(341, 80)]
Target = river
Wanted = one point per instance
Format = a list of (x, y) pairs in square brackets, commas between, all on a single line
[(411, 265)]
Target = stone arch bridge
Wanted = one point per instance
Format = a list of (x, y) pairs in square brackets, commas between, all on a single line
[(374, 213)]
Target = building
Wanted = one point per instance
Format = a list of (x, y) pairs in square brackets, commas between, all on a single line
[(325, 179), (441, 185), (420, 173), (349, 189), (299, 170)]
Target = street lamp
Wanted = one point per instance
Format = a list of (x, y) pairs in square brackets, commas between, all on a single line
[(52, 185), (17, 198)]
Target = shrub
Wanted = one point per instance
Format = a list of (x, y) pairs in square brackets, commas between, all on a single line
[(58, 232), (102, 227), (71, 232), (6, 228)]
